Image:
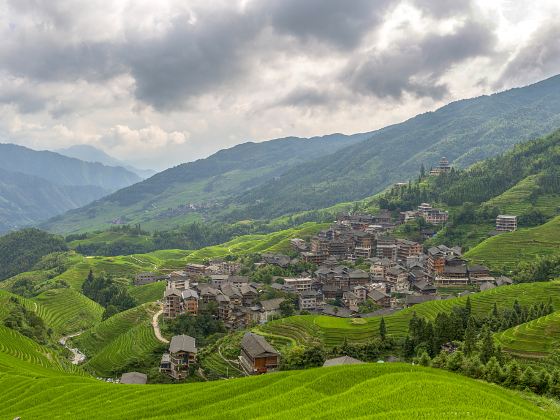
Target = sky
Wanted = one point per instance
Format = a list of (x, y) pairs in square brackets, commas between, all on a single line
[(158, 83)]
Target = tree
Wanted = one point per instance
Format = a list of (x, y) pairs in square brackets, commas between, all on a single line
[(469, 345), (529, 379), (424, 359), (487, 347), (382, 329), (287, 308), (493, 371)]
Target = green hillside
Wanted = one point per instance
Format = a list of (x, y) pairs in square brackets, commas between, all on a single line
[(69, 311), (465, 131), (505, 251), (22, 356), (265, 180), (161, 201), (338, 392), (331, 331), (133, 347), (20, 251), (534, 339), (123, 339)]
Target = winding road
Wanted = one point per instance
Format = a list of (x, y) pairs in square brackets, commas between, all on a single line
[(155, 325)]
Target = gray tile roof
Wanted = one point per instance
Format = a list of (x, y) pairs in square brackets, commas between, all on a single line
[(344, 360), (136, 378), (182, 343), (256, 346)]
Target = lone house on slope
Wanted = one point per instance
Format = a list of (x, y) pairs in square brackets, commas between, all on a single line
[(257, 355)]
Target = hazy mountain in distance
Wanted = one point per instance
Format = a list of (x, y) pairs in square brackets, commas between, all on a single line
[(90, 153)]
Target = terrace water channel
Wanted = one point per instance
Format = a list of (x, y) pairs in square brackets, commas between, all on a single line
[(77, 356)]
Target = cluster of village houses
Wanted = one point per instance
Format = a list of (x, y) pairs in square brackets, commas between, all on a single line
[(401, 274)]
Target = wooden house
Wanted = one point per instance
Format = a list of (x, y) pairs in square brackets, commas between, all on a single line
[(257, 355)]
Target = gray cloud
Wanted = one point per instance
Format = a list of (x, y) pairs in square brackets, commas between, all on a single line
[(539, 58), (444, 8), (228, 47), (339, 23), (416, 65)]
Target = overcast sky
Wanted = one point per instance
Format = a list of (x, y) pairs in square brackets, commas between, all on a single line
[(164, 82)]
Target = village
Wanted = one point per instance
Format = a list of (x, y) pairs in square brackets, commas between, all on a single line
[(360, 270)]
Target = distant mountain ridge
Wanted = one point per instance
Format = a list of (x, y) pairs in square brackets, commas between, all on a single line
[(205, 182), (280, 177), (63, 170), (464, 131), (37, 185), (89, 153)]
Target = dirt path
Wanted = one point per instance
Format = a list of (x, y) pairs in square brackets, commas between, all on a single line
[(155, 325), (233, 363)]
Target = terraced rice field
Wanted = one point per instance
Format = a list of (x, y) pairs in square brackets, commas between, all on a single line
[(517, 199), (534, 339), (19, 353), (332, 331), (68, 311), (148, 292), (505, 251), (103, 334), (400, 392), (134, 346)]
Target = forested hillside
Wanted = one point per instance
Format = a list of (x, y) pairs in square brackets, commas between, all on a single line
[(464, 131), (37, 185), (198, 189), (27, 199), (261, 181), (19, 251)]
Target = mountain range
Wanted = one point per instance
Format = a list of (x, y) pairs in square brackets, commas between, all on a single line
[(37, 185), (90, 153), (278, 177)]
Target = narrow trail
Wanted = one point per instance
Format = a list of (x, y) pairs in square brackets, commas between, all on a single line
[(155, 325), (233, 363)]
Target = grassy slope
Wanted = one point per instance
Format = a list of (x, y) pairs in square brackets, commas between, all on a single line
[(506, 250), (22, 355), (517, 199), (338, 392), (69, 311), (537, 338), (332, 331), (63, 310), (120, 340)]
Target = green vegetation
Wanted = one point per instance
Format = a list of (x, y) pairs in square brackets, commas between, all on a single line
[(219, 360), (23, 356), (334, 392), (20, 251), (147, 293), (68, 311), (163, 201), (534, 339), (309, 329), (203, 327), (505, 251), (113, 296), (36, 185), (137, 348)]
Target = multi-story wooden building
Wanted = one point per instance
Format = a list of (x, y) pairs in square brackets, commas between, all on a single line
[(181, 356), (257, 355)]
